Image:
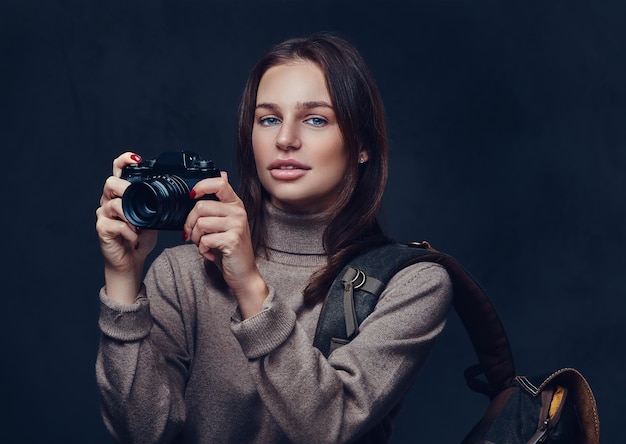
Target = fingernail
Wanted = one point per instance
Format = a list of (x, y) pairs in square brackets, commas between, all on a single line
[(192, 194), (184, 236), (136, 157)]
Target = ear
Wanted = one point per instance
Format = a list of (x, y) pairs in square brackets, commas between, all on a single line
[(363, 156)]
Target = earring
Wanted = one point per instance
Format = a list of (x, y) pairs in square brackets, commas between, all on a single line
[(361, 159)]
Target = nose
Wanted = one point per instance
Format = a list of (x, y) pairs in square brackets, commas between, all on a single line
[(288, 137)]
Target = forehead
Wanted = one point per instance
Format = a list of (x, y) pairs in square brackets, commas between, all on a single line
[(295, 81)]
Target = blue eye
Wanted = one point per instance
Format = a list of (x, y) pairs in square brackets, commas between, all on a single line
[(269, 121), (316, 121)]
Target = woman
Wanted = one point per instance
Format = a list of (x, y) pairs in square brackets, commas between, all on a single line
[(216, 344)]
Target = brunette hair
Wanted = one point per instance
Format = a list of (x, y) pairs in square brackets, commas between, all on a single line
[(360, 115)]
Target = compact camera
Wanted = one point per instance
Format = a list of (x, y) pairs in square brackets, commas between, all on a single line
[(158, 196)]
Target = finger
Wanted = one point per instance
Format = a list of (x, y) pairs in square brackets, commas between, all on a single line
[(214, 225), (219, 186), (212, 256), (218, 244), (123, 160), (111, 230), (217, 208), (209, 216), (113, 187), (203, 226), (113, 210), (224, 236), (209, 207)]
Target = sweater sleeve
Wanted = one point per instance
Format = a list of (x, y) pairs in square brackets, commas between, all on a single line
[(142, 384), (360, 383)]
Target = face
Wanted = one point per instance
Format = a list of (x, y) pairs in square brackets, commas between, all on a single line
[(298, 147)]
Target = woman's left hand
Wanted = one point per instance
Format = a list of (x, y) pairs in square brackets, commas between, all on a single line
[(220, 230)]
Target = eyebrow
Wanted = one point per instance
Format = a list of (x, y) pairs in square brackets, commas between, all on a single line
[(299, 105)]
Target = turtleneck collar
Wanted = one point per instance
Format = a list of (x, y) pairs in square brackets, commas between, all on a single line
[(294, 238)]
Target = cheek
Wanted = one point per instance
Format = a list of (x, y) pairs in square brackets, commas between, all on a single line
[(259, 150), (263, 156), (337, 154), (336, 165), (256, 143)]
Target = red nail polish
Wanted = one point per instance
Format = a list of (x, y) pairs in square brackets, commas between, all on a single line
[(184, 236), (136, 157), (192, 194)]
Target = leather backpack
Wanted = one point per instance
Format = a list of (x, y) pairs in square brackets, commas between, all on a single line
[(558, 407)]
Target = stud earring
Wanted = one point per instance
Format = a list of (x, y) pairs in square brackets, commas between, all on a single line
[(361, 159)]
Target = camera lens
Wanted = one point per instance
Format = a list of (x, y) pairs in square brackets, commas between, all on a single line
[(161, 203)]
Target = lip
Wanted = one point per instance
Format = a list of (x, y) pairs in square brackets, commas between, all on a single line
[(288, 164), (287, 169)]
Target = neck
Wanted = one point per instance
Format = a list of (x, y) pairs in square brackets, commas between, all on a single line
[(288, 235)]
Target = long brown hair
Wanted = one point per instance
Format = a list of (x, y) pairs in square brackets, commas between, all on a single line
[(360, 114)]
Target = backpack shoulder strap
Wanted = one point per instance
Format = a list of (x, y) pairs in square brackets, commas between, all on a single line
[(354, 293)]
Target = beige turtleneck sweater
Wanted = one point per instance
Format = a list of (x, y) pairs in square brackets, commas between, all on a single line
[(179, 365)]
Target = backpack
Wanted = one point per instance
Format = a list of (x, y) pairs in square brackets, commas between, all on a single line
[(558, 407)]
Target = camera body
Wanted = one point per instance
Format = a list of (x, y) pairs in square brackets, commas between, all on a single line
[(158, 196)]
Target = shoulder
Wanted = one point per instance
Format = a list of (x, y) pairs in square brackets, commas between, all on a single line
[(422, 283), (416, 300), (422, 273), (387, 263)]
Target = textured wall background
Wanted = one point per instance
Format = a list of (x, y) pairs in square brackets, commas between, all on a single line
[(507, 125)]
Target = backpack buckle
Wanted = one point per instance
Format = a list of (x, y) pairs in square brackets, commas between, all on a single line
[(354, 278)]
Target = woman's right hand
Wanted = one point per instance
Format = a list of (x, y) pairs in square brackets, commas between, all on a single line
[(124, 247)]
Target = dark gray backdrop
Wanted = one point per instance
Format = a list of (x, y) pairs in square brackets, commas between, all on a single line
[(507, 126)]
